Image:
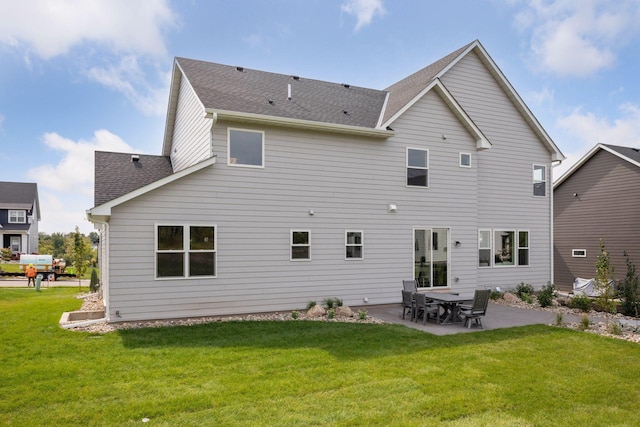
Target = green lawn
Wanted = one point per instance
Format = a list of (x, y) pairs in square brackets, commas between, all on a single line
[(304, 374)]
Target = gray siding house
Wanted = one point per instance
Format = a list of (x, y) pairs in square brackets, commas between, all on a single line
[(274, 190), (19, 216), (598, 198)]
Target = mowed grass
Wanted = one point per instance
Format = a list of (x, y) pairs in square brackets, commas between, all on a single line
[(304, 374)]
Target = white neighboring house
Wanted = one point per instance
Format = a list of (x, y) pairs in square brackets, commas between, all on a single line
[(274, 190), (19, 216)]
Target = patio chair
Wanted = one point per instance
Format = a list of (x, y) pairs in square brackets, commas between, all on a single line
[(477, 309), (425, 308), (407, 303), (410, 285)]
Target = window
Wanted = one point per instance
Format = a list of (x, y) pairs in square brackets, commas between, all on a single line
[(185, 251), (17, 217), (417, 167), (465, 160), (300, 245), (484, 248), (579, 253), (539, 180), (245, 148), (523, 248), (353, 244), (504, 248)]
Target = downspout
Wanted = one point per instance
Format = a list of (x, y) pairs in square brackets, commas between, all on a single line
[(551, 252), (214, 120), (104, 261)]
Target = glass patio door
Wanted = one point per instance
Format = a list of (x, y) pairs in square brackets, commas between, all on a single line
[(431, 257)]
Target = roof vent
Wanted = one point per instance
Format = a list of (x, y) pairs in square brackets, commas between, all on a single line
[(241, 69), (345, 112), (295, 77), (271, 101), (289, 91), (135, 158), (348, 86)]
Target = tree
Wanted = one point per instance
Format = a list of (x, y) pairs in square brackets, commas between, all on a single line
[(95, 238), (630, 292), (604, 282), (80, 250)]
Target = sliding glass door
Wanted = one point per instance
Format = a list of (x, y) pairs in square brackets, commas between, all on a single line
[(431, 257)]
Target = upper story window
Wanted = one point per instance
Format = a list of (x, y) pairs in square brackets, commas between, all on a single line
[(539, 180), (17, 217), (465, 160), (353, 244), (245, 148), (185, 251), (417, 167), (300, 245)]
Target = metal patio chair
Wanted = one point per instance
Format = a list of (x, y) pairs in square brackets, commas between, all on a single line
[(477, 309)]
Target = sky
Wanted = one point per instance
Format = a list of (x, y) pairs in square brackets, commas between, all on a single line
[(83, 75)]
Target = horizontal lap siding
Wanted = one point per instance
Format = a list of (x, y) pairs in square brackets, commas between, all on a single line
[(505, 199), (607, 206), (191, 141), (348, 183)]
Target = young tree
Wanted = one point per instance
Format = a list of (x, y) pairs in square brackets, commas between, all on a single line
[(630, 292), (80, 250), (604, 282)]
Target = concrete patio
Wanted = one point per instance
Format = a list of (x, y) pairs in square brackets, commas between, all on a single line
[(498, 316)]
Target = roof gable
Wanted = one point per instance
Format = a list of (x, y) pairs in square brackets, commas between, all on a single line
[(19, 195), (631, 155)]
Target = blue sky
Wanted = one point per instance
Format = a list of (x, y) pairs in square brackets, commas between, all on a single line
[(83, 75)]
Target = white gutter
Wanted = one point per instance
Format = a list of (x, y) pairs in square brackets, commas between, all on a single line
[(298, 123), (103, 258)]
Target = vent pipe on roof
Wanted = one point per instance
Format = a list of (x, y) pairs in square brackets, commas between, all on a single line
[(289, 91), (135, 158)]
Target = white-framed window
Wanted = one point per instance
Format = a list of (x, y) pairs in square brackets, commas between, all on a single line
[(300, 245), (353, 244), (417, 167), (500, 248), (465, 160), (17, 217), (484, 248), (245, 148), (187, 251), (523, 248), (539, 180), (579, 253)]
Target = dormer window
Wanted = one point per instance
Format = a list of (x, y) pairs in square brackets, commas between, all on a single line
[(17, 217)]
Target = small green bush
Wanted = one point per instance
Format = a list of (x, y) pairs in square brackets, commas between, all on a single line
[(332, 303), (581, 302), (559, 319), (584, 323), (546, 295), (496, 295), (528, 298), (331, 313), (615, 328), (362, 314), (5, 253), (524, 289), (295, 314), (94, 282), (311, 304)]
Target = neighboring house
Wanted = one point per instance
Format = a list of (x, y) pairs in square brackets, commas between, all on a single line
[(276, 190), (598, 198), (19, 216)]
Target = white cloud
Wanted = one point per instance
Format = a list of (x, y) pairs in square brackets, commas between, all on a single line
[(363, 10), (588, 130), (573, 38), (128, 78), (65, 189), (51, 28)]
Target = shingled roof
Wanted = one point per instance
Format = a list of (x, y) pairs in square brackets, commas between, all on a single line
[(631, 155), (18, 195), (237, 89), (117, 174)]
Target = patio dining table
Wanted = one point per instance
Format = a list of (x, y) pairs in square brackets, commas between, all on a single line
[(450, 303)]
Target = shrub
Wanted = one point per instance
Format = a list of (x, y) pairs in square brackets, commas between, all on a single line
[(528, 298), (5, 253), (295, 314), (584, 323), (94, 282), (496, 295), (524, 289), (546, 295), (615, 328), (311, 304), (559, 319), (630, 292), (362, 314), (331, 313), (332, 303), (581, 302)]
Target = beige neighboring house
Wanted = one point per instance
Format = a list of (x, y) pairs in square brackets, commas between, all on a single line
[(274, 190), (19, 216)]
